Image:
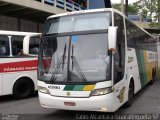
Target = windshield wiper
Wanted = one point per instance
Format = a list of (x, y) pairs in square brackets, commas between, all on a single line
[(76, 65), (61, 61), (56, 71), (64, 57), (72, 58)]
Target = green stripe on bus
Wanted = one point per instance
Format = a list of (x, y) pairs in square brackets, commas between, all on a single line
[(78, 87), (142, 67), (69, 87)]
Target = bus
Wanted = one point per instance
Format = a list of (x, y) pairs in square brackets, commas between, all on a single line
[(94, 60), (18, 63)]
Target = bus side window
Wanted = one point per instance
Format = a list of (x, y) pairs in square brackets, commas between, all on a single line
[(34, 45), (16, 51), (34, 50), (119, 56), (3, 51), (17, 45), (4, 46)]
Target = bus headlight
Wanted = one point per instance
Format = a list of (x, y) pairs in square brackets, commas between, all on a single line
[(102, 91), (43, 90)]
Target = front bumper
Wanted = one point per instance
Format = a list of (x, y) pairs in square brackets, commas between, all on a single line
[(103, 103)]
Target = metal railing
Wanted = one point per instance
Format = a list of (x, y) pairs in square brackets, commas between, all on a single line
[(67, 5)]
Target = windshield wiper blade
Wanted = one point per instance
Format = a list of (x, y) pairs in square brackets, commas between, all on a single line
[(76, 65), (56, 71), (61, 61), (79, 70), (72, 58), (64, 56)]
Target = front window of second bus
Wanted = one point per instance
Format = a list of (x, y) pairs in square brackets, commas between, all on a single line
[(74, 49), (34, 44)]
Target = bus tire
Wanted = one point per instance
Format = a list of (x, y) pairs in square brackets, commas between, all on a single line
[(23, 88), (153, 77), (130, 94)]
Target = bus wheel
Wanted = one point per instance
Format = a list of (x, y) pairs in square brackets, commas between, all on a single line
[(153, 77), (23, 88), (130, 95)]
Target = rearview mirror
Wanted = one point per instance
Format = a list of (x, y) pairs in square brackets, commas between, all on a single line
[(31, 44), (112, 38)]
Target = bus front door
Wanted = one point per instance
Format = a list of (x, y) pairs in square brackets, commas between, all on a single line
[(120, 83)]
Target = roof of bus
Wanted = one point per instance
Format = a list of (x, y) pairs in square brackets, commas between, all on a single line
[(97, 10), (3, 32), (86, 11)]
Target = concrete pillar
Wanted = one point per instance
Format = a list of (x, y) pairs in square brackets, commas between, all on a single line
[(65, 8), (141, 17), (55, 3), (37, 27), (87, 4), (126, 8), (122, 6), (72, 6), (19, 24)]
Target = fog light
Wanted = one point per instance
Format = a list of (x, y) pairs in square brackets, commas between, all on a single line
[(44, 105), (103, 109)]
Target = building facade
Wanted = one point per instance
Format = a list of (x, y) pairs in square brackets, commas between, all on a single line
[(30, 15)]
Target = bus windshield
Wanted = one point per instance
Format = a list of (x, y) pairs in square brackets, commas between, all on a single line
[(76, 23), (74, 58)]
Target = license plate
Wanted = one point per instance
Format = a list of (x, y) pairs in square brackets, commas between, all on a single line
[(69, 103)]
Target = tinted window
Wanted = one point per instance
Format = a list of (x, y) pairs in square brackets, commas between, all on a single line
[(17, 45), (77, 23), (84, 57), (4, 46), (120, 50), (137, 38), (34, 45)]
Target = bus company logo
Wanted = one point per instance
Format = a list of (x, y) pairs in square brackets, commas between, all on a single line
[(13, 69), (130, 59), (18, 66), (53, 87), (121, 94)]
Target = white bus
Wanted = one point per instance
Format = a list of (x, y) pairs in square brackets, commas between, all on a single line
[(94, 60), (18, 71)]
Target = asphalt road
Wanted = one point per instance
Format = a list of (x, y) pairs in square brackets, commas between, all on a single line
[(147, 101)]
